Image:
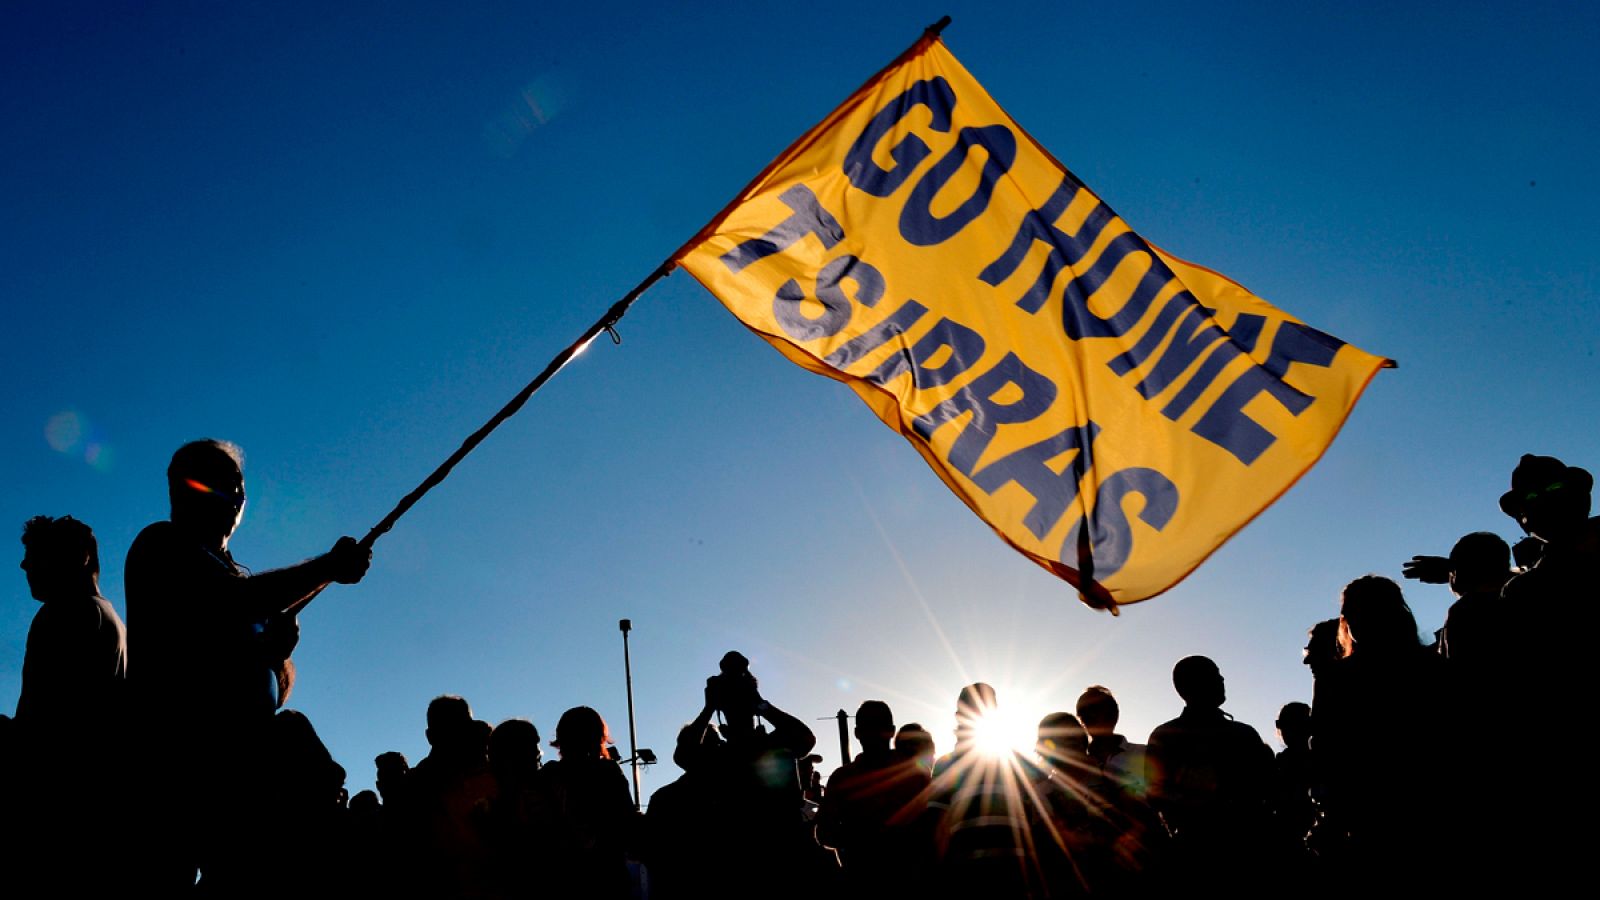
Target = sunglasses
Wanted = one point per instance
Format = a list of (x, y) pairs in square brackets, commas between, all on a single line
[(1551, 488), (234, 495)]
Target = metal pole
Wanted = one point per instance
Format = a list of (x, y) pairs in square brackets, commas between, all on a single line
[(844, 736), (606, 324), (633, 741)]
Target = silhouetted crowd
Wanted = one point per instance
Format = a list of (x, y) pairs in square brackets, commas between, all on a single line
[(1456, 767)]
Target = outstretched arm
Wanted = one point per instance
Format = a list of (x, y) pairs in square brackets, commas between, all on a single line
[(290, 589), (1427, 569)]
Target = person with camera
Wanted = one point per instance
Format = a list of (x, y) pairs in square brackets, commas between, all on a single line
[(757, 836)]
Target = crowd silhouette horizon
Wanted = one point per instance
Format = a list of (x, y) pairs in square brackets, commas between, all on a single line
[(187, 774)]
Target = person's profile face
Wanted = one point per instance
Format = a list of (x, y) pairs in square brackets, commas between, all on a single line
[(213, 498), (1322, 644), (1552, 510), (50, 574), (30, 567), (1205, 687), (1536, 520)]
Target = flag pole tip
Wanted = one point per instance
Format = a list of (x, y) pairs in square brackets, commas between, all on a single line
[(937, 27)]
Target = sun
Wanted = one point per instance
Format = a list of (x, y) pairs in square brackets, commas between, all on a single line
[(999, 734)]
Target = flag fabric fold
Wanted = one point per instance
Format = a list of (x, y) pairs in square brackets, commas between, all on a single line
[(1111, 411)]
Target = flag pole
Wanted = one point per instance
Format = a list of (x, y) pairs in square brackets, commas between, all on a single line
[(605, 323)]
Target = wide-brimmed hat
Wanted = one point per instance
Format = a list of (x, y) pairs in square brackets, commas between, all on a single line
[(1538, 475)]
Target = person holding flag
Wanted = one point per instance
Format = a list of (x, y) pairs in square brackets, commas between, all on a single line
[(205, 637)]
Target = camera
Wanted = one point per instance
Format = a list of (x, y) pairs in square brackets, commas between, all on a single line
[(733, 690)]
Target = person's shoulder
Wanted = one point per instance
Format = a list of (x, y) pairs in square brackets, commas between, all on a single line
[(611, 770), (945, 780), (155, 532), (68, 614), (847, 772), (947, 767), (1245, 732), (155, 538), (1166, 730), (551, 772)]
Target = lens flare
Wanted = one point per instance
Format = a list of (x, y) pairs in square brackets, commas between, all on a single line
[(535, 105), (70, 433), (64, 431), (999, 734), (97, 455)]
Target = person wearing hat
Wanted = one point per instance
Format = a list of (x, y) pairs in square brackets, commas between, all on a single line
[(1551, 501), (1554, 604)]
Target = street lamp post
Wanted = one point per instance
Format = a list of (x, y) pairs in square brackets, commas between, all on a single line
[(633, 742)]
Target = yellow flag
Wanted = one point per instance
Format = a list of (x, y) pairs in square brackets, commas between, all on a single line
[(1113, 412)]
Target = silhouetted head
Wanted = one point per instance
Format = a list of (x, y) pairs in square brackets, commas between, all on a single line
[(302, 760), (915, 742), (735, 693), (581, 734), (874, 726), (694, 746), (392, 769), (805, 769), (1062, 739), (1322, 645), (1374, 618), (1479, 562), (514, 751), (205, 482), (1294, 725), (364, 805), (813, 781), (1548, 498), (1199, 682), (450, 727), (60, 558), (1098, 711), (973, 703)]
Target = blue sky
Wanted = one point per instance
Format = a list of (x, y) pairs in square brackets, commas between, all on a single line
[(343, 237)]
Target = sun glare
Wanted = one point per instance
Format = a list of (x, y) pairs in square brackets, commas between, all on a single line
[(999, 734)]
